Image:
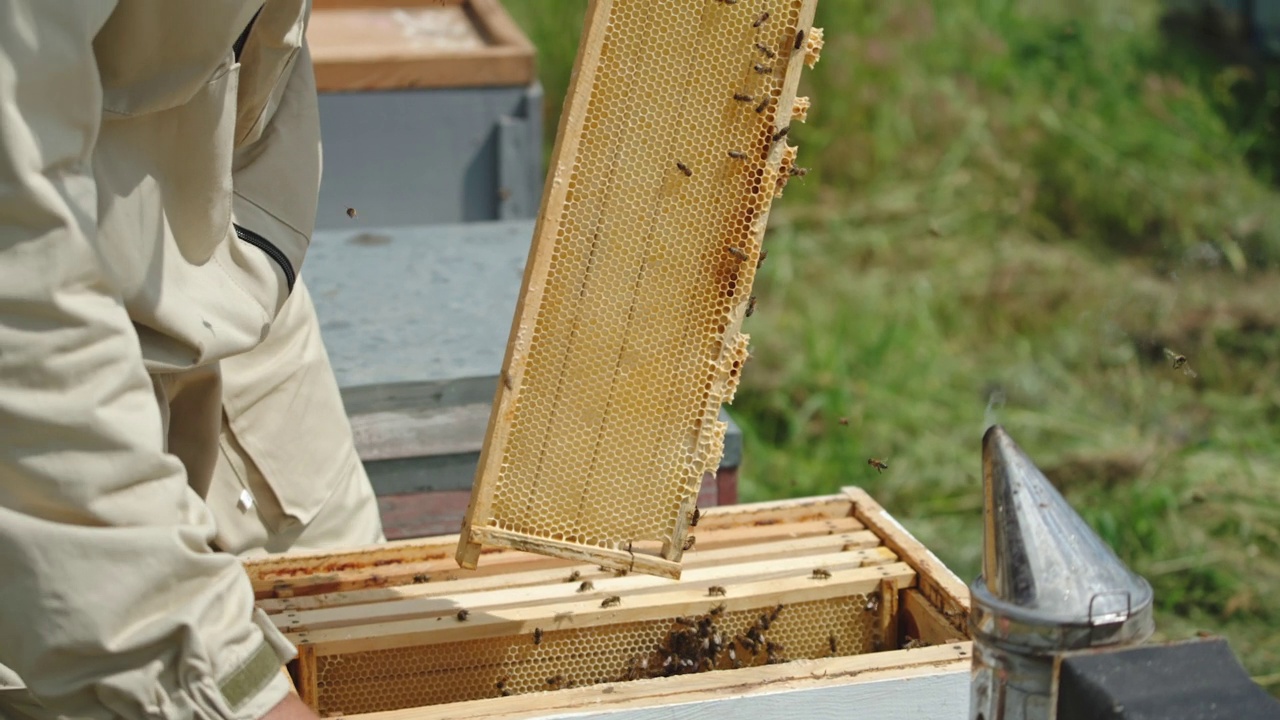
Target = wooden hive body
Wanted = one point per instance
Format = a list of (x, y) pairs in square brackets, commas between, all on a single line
[(378, 629), (627, 337)]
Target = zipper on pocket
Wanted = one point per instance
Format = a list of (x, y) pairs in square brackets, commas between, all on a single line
[(271, 251)]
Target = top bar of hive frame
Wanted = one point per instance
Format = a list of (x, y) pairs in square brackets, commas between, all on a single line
[(627, 336)]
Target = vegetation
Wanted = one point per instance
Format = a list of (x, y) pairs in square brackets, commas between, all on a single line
[(1014, 208)]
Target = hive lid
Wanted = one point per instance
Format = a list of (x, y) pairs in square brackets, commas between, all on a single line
[(401, 44), (1048, 581)]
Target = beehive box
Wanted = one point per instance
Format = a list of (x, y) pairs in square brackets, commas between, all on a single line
[(827, 590), (627, 337)]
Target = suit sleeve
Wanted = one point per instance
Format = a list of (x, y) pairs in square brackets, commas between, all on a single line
[(113, 604)]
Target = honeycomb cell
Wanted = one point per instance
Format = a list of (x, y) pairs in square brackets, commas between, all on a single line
[(647, 250)]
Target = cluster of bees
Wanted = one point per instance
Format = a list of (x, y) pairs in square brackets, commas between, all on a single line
[(700, 644)]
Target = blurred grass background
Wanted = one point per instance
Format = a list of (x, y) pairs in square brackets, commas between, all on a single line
[(1014, 207)]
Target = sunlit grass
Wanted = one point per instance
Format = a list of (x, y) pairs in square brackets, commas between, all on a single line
[(1014, 208)]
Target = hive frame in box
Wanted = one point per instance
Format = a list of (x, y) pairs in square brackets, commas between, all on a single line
[(627, 334), (519, 593)]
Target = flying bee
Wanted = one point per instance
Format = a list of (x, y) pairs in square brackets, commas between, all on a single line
[(737, 155), (781, 133), (764, 17), (689, 542), (763, 254), (716, 591), (585, 586), (351, 213), (684, 169), (737, 252), (751, 306), (1180, 363), (821, 574), (693, 519), (873, 603), (611, 601), (831, 643), (763, 69), (764, 103), (843, 421), (798, 171), (767, 52), (537, 636), (463, 614), (743, 98), (879, 465), (573, 576), (799, 39)]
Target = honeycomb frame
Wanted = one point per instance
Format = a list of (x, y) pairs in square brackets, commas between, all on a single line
[(386, 666), (627, 334)]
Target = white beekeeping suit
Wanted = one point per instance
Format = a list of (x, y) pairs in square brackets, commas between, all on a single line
[(164, 397)]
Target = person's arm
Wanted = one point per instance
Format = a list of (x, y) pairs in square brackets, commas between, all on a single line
[(111, 602)]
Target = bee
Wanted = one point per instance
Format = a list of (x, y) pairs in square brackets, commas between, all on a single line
[(1179, 363), (781, 133), (420, 578), (737, 252), (799, 39), (774, 613), (611, 601), (716, 591), (763, 254), (585, 586), (873, 603), (774, 653), (762, 69), (798, 171), (821, 574), (765, 622), (737, 155), (619, 573), (351, 213), (831, 643), (684, 169), (537, 636), (879, 465), (763, 104), (555, 681), (463, 614), (743, 98), (689, 542), (501, 685), (573, 576), (843, 421), (716, 611), (764, 17), (913, 643), (751, 306), (767, 52), (686, 622), (693, 519)]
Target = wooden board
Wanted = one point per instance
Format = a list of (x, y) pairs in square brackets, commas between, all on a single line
[(943, 589), (627, 334), (360, 45)]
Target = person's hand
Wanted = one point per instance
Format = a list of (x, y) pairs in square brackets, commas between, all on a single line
[(291, 708)]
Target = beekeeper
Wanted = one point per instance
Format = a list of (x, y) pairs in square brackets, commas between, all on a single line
[(165, 401)]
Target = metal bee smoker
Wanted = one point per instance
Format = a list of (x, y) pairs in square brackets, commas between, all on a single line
[(1049, 585)]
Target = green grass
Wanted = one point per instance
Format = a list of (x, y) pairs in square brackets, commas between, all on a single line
[(1014, 207)]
